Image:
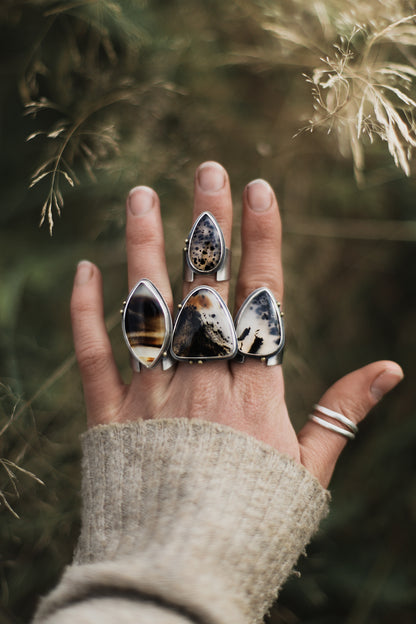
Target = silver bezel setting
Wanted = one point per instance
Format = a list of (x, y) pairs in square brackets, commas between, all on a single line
[(198, 359), (275, 357), (164, 355), (223, 268)]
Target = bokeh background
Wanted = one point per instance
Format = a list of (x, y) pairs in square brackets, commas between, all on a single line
[(114, 94)]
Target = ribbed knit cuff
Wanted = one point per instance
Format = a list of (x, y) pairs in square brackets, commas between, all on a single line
[(193, 514)]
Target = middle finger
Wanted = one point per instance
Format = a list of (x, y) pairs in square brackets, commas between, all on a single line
[(212, 193)]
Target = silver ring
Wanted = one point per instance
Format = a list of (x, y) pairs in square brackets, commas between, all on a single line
[(259, 328), (336, 416), (147, 327), (204, 328), (205, 252), (331, 427)]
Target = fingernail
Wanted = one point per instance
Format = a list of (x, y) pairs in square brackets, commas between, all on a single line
[(385, 382), (141, 199), (259, 195), (211, 177), (84, 272)]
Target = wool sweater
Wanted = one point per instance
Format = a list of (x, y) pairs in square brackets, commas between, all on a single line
[(183, 521)]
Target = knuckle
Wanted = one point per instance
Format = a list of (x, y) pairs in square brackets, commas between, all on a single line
[(145, 237), (268, 280), (81, 307), (93, 359), (266, 233), (354, 407)]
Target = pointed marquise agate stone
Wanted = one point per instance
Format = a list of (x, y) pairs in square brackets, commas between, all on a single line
[(146, 323), (204, 328), (259, 326), (206, 244)]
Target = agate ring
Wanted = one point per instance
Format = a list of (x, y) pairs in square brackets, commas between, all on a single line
[(205, 252), (259, 328), (147, 327), (204, 329)]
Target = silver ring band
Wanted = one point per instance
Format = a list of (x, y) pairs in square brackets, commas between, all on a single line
[(336, 416), (331, 427)]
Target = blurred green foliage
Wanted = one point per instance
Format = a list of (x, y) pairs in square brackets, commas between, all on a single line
[(136, 92)]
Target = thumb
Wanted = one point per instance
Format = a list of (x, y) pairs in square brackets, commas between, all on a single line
[(352, 396)]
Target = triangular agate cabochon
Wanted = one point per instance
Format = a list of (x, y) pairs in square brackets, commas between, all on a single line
[(258, 325), (204, 328), (205, 245), (145, 324)]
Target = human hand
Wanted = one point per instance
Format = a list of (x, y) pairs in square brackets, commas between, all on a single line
[(248, 397)]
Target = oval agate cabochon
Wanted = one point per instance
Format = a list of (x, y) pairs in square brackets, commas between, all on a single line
[(259, 325), (204, 327), (146, 323), (206, 244)]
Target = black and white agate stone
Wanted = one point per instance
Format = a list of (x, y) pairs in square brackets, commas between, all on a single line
[(204, 328), (147, 325), (259, 327), (206, 252)]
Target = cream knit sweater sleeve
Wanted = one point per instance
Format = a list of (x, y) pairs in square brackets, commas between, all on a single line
[(184, 521)]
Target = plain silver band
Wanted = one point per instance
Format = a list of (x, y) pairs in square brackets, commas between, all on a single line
[(336, 416), (331, 427)]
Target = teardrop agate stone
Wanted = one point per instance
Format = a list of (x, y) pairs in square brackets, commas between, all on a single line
[(146, 323), (204, 328), (259, 326), (206, 244)]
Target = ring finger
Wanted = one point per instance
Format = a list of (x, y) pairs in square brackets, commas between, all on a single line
[(261, 235), (260, 263)]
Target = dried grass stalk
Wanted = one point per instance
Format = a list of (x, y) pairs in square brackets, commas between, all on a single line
[(363, 72)]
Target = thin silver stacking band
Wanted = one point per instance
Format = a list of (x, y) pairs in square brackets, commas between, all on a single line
[(336, 416), (351, 430)]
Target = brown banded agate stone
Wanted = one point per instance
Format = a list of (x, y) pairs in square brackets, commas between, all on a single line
[(204, 328), (146, 323)]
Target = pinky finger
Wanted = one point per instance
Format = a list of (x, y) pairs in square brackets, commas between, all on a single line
[(103, 387)]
